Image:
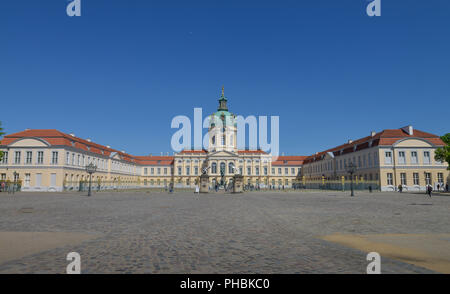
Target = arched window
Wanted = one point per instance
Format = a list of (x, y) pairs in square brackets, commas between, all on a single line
[(214, 168), (223, 140), (231, 140), (222, 167), (213, 140), (230, 168)]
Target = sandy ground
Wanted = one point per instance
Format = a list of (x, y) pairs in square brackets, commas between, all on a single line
[(430, 251), (14, 245)]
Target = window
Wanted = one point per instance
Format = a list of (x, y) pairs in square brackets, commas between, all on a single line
[(257, 171), (152, 171), (67, 158), (29, 156), (214, 168), (196, 170), (273, 170), (401, 157), (403, 179), (369, 159), (426, 157), (427, 178), (414, 157), (388, 157), (213, 140), (145, 171), (40, 159), (240, 170), (55, 157), (38, 180), (165, 170), (5, 157), (27, 180), (279, 170), (78, 160), (265, 170), (17, 157), (179, 171), (188, 170), (389, 179), (440, 178), (249, 170), (416, 178), (159, 170), (230, 168), (73, 158)]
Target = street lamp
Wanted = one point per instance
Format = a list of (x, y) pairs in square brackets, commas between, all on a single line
[(15, 174), (351, 169), (90, 169)]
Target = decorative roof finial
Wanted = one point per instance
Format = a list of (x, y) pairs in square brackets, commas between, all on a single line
[(223, 91)]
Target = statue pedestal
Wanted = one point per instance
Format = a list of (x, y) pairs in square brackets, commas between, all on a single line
[(204, 183), (238, 183)]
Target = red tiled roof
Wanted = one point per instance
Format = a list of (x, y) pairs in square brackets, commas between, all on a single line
[(251, 152), (289, 160), (154, 160), (384, 138), (57, 138), (203, 151)]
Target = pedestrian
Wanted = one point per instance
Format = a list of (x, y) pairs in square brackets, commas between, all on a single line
[(438, 186), (446, 187), (400, 188), (429, 190)]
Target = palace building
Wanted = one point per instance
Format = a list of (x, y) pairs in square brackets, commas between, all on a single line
[(50, 160), (388, 159)]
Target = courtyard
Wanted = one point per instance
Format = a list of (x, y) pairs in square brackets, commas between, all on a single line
[(255, 232)]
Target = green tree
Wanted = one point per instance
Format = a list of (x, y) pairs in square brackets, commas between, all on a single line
[(1, 134), (443, 154)]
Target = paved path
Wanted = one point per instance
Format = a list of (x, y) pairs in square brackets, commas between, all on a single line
[(256, 232)]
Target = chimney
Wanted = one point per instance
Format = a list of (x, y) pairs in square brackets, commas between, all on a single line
[(123, 151), (161, 154), (89, 140), (150, 154), (372, 134), (409, 130), (72, 134), (107, 146), (27, 129), (350, 141)]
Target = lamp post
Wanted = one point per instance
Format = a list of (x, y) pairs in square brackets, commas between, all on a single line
[(351, 169), (14, 182), (90, 169)]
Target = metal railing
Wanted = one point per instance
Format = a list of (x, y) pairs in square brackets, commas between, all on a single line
[(338, 185)]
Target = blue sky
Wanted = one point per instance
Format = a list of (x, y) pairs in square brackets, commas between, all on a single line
[(119, 73)]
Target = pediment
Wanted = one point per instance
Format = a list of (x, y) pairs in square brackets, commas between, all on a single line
[(222, 154), (30, 142)]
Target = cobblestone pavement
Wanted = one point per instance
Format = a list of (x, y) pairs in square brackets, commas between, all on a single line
[(256, 232)]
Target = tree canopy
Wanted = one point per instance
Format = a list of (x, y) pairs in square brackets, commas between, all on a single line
[(443, 154)]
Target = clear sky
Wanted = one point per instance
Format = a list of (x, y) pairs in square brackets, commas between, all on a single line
[(119, 73)]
